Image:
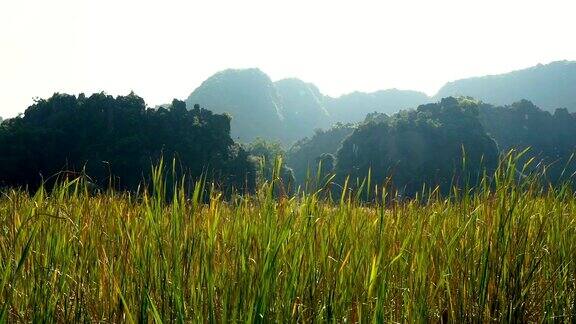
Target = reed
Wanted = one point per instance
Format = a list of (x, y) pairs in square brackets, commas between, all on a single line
[(501, 251)]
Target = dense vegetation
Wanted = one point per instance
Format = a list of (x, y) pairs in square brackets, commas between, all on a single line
[(268, 156), (501, 253), (406, 146), (118, 139), (383, 231), (440, 144), (305, 154), (550, 138)]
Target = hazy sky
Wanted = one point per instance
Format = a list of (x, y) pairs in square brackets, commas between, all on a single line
[(165, 49)]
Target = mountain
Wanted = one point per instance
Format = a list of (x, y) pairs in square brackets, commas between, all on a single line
[(249, 97), (548, 86), (291, 109), (303, 106), (355, 106), (283, 111)]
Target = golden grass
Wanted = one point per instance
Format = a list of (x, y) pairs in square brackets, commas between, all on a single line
[(502, 252)]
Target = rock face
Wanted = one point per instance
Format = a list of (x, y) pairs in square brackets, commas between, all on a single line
[(249, 97), (289, 109), (548, 86), (355, 106), (303, 107)]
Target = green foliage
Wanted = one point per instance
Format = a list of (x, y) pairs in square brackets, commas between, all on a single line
[(115, 140), (549, 137), (440, 144), (376, 117), (288, 110), (304, 155), (502, 253), (270, 158)]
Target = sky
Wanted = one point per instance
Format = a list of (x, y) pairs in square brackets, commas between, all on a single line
[(164, 49)]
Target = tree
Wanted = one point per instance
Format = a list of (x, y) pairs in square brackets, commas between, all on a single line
[(118, 139), (441, 144), (548, 137), (304, 155), (268, 155)]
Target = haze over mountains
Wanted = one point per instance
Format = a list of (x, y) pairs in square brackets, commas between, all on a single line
[(249, 96), (548, 86), (290, 109), (317, 134)]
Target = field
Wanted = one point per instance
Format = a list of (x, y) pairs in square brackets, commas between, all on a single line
[(502, 252)]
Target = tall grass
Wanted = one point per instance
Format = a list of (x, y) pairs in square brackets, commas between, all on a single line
[(502, 252)]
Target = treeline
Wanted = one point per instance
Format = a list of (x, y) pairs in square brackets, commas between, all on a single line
[(549, 137), (445, 144), (440, 144), (116, 141)]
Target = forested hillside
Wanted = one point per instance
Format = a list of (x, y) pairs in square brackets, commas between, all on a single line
[(549, 137), (427, 145), (304, 156), (441, 144), (103, 137), (120, 137)]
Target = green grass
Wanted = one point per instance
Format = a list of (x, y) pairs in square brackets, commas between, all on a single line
[(502, 252)]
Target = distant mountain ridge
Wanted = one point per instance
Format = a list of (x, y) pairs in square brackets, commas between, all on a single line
[(249, 96), (291, 109), (303, 106), (353, 107), (548, 86)]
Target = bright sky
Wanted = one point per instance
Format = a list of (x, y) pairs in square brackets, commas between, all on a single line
[(165, 49)]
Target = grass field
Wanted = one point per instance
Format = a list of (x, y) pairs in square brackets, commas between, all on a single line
[(503, 252)]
